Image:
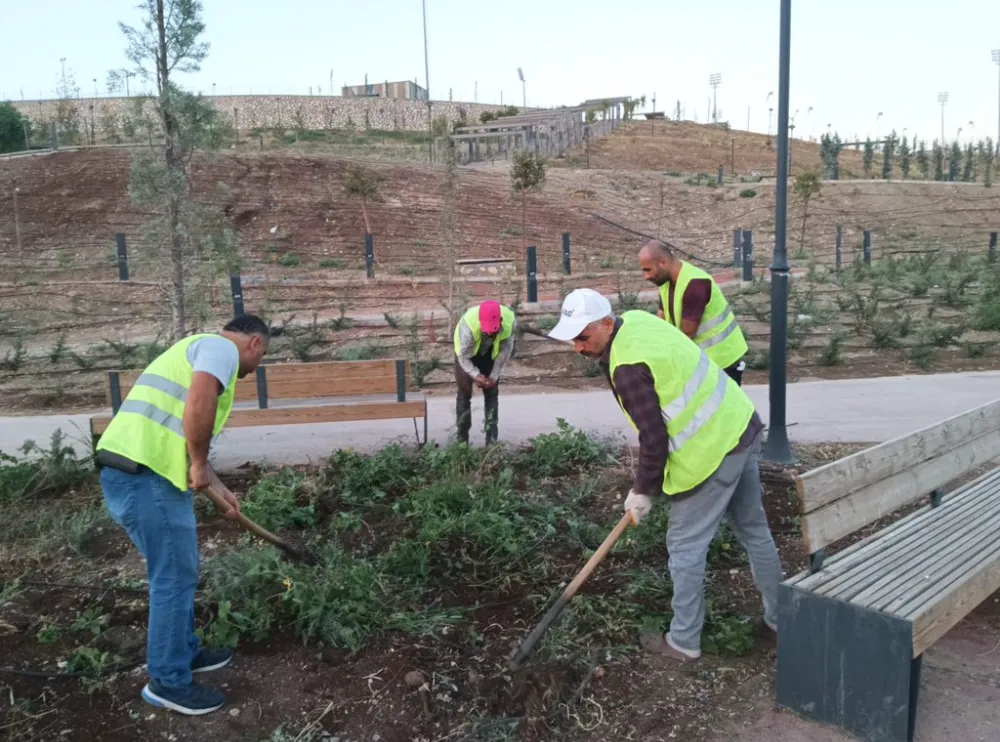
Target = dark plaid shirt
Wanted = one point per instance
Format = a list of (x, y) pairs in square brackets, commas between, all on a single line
[(635, 391), (696, 297)]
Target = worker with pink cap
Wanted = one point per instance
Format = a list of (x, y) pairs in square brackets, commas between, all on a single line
[(484, 342)]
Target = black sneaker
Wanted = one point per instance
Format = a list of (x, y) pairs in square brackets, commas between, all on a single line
[(211, 659), (194, 700)]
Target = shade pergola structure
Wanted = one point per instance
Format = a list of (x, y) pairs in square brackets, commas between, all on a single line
[(547, 133)]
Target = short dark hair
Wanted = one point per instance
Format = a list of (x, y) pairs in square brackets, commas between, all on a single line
[(248, 324)]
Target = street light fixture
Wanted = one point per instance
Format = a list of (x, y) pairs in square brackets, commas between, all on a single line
[(942, 99), (524, 90), (770, 110), (715, 79)]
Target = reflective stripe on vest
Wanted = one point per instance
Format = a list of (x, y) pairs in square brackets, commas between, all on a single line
[(725, 346), (704, 411), (154, 413), (149, 426), (704, 343)]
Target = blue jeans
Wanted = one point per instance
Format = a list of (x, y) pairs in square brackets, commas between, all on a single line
[(160, 520)]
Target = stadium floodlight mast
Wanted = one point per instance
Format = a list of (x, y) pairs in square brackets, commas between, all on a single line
[(524, 91), (942, 99), (995, 55), (715, 79)]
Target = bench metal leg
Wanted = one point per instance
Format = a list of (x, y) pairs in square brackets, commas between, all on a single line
[(847, 666)]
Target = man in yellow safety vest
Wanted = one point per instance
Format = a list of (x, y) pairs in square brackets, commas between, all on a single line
[(152, 456), (484, 342), (699, 444), (692, 301)]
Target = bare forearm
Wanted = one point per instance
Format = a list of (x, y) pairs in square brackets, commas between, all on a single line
[(199, 416), (501, 361), (198, 424)]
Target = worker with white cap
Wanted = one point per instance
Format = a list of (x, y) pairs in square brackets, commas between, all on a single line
[(699, 444), (484, 342)]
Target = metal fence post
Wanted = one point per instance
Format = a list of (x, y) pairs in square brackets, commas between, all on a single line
[(532, 271), (122, 257), (370, 255), (737, 248), (748, 255), (868, 247), (993, 246), (840, 244), (720, 174), (237, 290), (567, 262)]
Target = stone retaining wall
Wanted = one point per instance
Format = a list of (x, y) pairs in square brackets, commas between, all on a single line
[(248, 112)]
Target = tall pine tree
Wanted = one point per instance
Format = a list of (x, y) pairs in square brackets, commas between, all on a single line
[(888, 151), (905, 155), (955, 162), (923, 162), (969, 170), (938, 161), (869, 157)]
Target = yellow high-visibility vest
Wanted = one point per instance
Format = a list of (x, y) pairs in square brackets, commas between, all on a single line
[(705, 411), (719, 334), (149, 426)]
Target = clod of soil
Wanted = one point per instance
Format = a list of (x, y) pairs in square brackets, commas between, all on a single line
[(415, 678)]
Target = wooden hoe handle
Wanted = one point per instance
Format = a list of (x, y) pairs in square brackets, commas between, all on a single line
[(528, 645)]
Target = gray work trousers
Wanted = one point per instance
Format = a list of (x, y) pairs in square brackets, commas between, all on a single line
[(734, 493)]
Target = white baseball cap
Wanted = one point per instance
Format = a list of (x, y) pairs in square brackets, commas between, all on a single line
[(579, 309)]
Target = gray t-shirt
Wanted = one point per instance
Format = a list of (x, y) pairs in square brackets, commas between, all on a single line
[(215, 355)]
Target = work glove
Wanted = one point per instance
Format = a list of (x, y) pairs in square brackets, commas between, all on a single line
[(639, 505)]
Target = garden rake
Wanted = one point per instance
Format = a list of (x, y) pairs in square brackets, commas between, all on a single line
[(295, 554), (528, 645)]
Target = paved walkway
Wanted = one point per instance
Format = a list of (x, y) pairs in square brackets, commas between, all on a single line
[(865, 410)]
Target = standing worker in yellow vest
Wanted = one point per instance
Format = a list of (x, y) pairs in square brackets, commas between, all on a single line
[(692, 301), (152, 456), (484, 342), (699, 444)]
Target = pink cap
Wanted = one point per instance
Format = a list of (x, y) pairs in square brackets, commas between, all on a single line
[(490, 319)]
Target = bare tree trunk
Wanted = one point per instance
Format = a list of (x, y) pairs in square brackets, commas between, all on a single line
[(175, 170), (805, 215)]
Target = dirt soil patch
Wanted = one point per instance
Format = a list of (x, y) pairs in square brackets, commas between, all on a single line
[(434, 566)]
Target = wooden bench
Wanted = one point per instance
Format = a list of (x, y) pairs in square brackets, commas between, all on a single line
[(853, 628), (294, 393)]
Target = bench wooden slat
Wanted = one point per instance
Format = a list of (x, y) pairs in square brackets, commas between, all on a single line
[(938, 612), (963, 509), (844, 562), (872, 466), (327, 413), (300, 380), (925, 567), (354, 411), (867, 504)]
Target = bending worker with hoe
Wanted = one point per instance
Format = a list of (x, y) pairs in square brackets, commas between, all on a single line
[(153, 454), (699, 441), (484, 342), (692, 301)]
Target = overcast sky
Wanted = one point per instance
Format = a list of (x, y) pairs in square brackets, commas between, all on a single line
[(851, 59)]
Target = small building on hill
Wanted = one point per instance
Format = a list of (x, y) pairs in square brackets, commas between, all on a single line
[(406, 89)]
